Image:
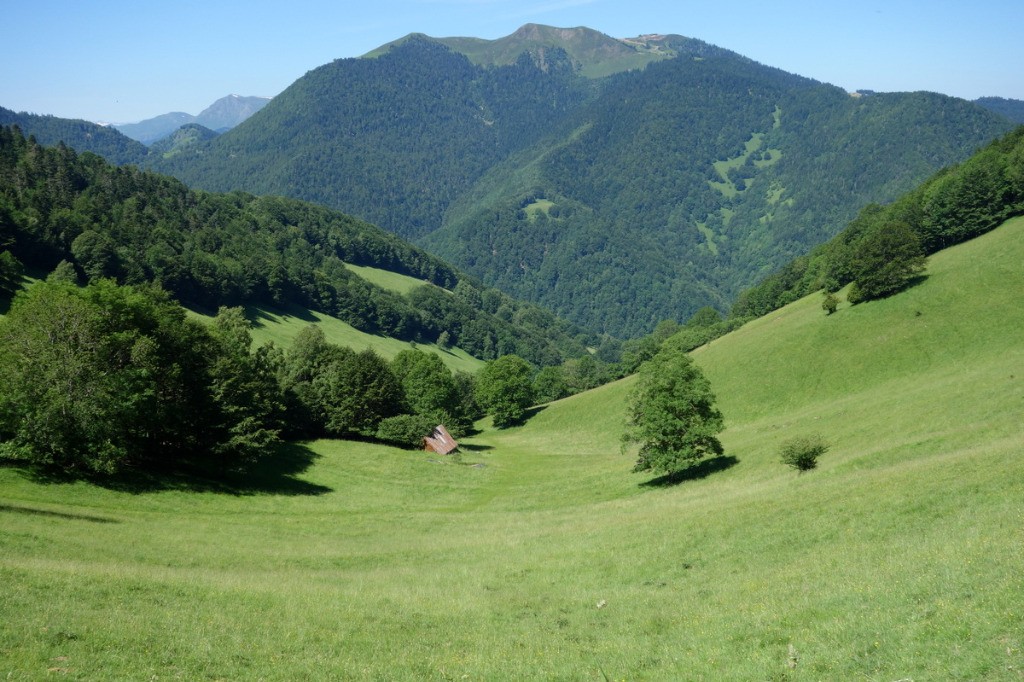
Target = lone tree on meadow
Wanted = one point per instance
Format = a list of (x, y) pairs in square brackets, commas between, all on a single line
[(672, 414)]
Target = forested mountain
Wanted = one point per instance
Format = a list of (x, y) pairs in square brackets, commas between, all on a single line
[(616, 200), (181, 139), (397, 138), (956, 204), (229, 249), (222, 115), (83, 135), (1012, 109)]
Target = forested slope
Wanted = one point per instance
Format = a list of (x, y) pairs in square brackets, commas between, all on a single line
[(954, 205), (84, 135), (393, 140), (691, 180), (228, 249), (616, 201)]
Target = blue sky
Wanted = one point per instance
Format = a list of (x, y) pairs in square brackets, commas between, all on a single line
[(122, 61)]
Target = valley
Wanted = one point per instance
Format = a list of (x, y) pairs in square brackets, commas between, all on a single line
[(220, 355), (539, 555)]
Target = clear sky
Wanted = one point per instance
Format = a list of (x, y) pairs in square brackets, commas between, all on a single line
[(126, 60)]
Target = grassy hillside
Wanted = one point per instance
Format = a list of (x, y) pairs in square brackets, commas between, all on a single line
[(541, 557), (281, 326)]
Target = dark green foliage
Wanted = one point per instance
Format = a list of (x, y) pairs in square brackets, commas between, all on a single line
[(104, 378), (1012, 109), (406, 430), (11, 271), (245, 388), (505, 390), (644, 227), (802, 453), (185, 137), (84, 136), (672, 414), (705, 317), (884, 261), (430, 390), (599, 199), (549, 385), (219, 250), (355, 391), (829, 303), (416, 126), (956, 204)]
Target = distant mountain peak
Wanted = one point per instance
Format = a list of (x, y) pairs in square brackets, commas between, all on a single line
[(595, 54), (222, 115)]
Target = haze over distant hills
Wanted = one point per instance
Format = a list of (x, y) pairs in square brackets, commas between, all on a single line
[(222, 115), (617, 182)]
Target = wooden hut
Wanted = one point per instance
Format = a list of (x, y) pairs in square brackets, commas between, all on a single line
[(440, 441)]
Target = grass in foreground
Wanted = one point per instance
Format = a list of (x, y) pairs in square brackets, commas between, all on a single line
[(542, 557)]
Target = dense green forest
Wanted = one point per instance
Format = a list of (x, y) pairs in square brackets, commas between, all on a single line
[(83, 135), (1012, 109), (956, 204), (615, 201), (106, 378), (393, 139), (227, 249), (660, 205)]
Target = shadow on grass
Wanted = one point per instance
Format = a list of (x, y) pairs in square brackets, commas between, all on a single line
[(53, 514), (273, 475), (473, 447), (531, 413), (260, 315), (694, 472)]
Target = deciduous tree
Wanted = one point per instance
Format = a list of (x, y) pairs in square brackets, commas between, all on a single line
[(505, 389), (672, 414)]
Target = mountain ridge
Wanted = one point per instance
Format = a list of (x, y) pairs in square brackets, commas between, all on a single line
[(617, 201), (224, 114)]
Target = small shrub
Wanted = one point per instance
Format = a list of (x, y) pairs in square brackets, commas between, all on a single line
[(802, 453), (830, 304)]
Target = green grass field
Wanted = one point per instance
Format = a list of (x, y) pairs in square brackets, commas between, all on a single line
[(385, 279), (540, 556), (281, 325)]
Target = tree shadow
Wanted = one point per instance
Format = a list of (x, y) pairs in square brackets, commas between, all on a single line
[(54, 514), (262, 314), (473, 447), (694, 472), (273, 475), (532, 412)]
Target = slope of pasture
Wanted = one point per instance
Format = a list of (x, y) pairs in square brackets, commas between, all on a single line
[(540, 556), (281, 325)]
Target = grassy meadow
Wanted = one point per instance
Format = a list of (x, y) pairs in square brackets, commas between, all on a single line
[(281, 325), (540, 556)]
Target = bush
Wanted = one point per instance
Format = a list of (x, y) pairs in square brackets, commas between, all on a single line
[(406, 430), (802, 453), (830, 304)]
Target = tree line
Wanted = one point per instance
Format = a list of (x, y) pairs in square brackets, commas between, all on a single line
[(104, 378)]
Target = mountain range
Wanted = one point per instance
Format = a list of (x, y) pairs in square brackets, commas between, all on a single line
[(221, 116), (617, 182)]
